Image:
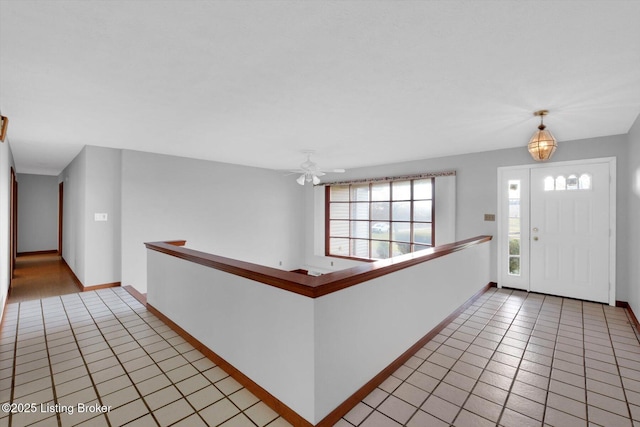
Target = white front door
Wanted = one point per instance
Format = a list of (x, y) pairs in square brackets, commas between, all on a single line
[(554, 232), (569, 231)]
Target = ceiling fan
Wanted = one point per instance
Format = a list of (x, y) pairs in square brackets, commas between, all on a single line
[(310, 172)]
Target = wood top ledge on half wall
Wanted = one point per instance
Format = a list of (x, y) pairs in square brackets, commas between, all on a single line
[(310, 286)]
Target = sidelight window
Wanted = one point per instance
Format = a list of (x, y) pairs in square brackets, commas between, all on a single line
[(515, 227)]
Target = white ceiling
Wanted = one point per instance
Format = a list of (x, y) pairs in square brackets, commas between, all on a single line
[(360, 82)]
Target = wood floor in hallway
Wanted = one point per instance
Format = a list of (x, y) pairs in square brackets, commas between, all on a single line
[(40, 276)]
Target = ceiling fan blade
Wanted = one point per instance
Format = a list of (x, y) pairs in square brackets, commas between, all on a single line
[(310, 171)]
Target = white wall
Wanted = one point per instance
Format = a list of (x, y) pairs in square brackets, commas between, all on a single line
[(37, 213), (240, 212), (445, 199), (6, 163), (92, 185), (73, 217), (102, 248), (633, 230), (166, 197), (235, 211), (476, 190)]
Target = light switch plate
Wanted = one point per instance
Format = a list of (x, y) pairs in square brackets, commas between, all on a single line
[(489, 217), (99, 216)]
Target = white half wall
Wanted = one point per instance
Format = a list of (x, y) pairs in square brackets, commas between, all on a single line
[(312, 354), (360, 330), (265, 332), (37, 213)]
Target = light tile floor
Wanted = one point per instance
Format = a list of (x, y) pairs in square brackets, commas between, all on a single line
[(516, 359), (511, 359), (105, 348)]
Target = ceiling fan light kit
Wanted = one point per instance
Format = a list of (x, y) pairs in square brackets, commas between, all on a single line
[(542, 144), (310, 172)]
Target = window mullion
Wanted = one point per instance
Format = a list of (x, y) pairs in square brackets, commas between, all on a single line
[(351, 207), (369, 223), (391, 219), (433, 212), (411, 218)]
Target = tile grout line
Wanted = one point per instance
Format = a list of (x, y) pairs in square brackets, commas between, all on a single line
[(494, 351), (492, 354), (84, 361), (615, 357), (440, 344), (160, 368), (553, 358), (46, 344), (154, 363), (119, 361), (584, 367), (440, 381), (15, 356), (496, 307), (513, 380), (226, 396)]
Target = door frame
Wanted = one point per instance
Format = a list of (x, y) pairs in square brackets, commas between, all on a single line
[(502, 246), (60, 215), (13, 226)]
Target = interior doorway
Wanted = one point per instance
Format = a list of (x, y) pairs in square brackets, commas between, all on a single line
[(556, 229)]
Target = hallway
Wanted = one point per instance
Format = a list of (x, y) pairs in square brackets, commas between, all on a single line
[(40, 276)]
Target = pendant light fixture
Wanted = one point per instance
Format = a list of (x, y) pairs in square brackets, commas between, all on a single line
[(542, 144)]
